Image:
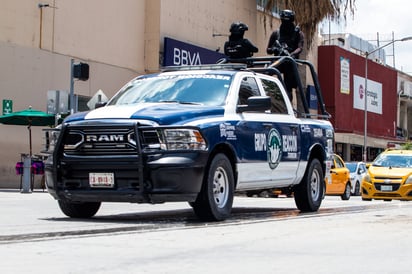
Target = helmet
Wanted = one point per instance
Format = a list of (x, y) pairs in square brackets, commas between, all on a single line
[(287, 15), (238, 28)]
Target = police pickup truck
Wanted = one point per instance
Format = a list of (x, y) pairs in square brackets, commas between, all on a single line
[(197, 134)]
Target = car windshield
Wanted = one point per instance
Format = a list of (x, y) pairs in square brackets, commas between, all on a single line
[(202, 89), (386, 160), (351, 167)]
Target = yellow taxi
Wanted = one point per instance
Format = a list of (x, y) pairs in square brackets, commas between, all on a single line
[(340, 184), (389, 177)]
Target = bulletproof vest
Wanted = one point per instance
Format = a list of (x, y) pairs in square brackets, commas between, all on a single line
[(238, 49), (290, 39)]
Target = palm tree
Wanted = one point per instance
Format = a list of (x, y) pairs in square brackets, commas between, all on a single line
[(309, 13)]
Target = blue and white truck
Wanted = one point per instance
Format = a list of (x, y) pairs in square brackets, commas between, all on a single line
[(196, 134)]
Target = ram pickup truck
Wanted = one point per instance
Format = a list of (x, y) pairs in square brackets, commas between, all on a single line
[(196, 134)]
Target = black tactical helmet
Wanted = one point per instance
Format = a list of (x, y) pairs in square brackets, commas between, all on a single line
[(287, 15), (238, 28)]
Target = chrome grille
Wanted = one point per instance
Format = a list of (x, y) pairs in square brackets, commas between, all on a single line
[(395, 187), (96, 141)]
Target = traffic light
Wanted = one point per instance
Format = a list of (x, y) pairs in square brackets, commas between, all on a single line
[(81, 71)]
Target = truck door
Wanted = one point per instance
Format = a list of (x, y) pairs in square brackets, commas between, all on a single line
[(270, 151)]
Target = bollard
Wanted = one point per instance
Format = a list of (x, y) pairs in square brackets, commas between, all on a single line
[(26, 175)]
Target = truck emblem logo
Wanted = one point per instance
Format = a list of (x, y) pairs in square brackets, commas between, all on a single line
[(105, 138), (274, 148)]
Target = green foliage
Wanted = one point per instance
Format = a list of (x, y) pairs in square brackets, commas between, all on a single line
[(407, 146), (309, 13)]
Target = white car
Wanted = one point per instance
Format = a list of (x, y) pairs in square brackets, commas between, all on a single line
[(357, 171)]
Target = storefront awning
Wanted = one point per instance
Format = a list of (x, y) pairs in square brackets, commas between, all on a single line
[(356, 139)]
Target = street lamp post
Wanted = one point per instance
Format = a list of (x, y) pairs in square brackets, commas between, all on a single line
[(365, 151)]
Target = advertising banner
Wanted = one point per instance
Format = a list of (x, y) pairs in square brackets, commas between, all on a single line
[(374, 94)]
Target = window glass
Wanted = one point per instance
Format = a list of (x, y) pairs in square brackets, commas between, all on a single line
[(261, 4), (248, 88), (339, 163), (278, 104), (204, 89)]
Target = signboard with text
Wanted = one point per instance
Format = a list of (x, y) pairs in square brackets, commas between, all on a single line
[(344, 75), (177, 53), (374, 94)]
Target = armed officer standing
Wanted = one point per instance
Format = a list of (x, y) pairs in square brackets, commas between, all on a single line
[(238, 46), (288, 40)]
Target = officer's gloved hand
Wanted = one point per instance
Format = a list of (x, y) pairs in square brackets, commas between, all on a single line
[(276, 51)]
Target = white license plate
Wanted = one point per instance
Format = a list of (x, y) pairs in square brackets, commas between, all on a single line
[(101, 179), (386, 188)]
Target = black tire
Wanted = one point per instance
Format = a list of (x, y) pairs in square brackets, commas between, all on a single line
[(215, 200), (357, 189), (310, 191), (366, 199), (346, 194), (79, 210)]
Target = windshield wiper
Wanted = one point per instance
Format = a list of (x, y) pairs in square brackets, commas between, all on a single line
[(179, 102)]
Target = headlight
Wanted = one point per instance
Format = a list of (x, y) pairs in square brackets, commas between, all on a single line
[(409, 180), (186, 139), (367, 178), (174, 139), (51, 137)]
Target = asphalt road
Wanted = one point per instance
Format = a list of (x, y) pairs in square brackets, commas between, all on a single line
[(264, 235)]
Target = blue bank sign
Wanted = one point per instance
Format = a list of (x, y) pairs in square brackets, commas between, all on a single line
[(177, 53)]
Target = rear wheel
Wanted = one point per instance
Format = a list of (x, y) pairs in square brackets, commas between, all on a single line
[(80, 209), (309, 193), (346, 195), (214, 202)]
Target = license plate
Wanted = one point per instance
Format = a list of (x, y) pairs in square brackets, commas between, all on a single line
[(386, 188), (101, 179)]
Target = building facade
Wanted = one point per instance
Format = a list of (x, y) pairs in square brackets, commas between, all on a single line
[(389, 102), (122, 39)]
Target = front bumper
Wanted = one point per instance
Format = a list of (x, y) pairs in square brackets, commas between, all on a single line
[(380, 191), (162, 178)]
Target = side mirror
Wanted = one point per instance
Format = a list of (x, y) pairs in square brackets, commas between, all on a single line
[(256, 103), (100, 104)]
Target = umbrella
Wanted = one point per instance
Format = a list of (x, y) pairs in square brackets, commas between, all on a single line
[(28, 117)]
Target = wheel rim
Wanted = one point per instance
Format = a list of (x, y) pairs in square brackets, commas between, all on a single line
[(315, 184), (220, 187)]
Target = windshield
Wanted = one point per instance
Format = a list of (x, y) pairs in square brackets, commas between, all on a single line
[(351, 167), (203, 89), (386, 160)]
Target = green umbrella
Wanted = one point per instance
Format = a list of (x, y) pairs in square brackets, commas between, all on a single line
[(28, 117)]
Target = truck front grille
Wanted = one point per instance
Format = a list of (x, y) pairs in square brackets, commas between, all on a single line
[(95, 141)]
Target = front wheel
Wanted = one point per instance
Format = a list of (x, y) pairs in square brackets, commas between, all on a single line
[(80, 209), (346, 195), (357, 189), (309, 192), (214, 202)]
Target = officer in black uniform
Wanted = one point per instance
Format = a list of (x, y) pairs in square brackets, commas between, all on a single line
[(287, 41), (238, 46)]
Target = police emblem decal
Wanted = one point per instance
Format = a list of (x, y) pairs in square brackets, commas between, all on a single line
[(274, 148)]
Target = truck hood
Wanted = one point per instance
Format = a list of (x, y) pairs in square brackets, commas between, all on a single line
[(160, 113)]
